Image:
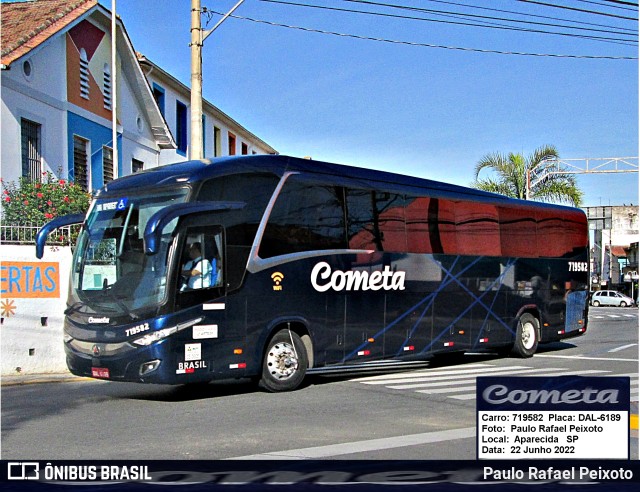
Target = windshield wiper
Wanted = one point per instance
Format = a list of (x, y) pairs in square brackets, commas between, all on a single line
[(123, 307), (74, 307)]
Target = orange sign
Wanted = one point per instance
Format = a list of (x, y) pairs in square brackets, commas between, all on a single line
[(25, 279)]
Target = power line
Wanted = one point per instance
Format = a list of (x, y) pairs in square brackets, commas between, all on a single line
[(621, 2), (575, 9), (524, 14), (455, 14), (427, 45), (485, 24), (601, 4)]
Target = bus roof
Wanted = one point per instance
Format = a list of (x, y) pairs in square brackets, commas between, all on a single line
[(192, 172)]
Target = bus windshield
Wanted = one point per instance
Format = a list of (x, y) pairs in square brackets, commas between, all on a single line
[(111, 273)]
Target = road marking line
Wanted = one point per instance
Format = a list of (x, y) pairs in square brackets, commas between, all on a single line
[(433, 372), (581, 357), (434, 376), (427, 383), (471, 396), (364, 446), (618, 349)]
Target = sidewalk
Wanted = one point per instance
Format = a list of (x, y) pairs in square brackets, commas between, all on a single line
[(20, 379)]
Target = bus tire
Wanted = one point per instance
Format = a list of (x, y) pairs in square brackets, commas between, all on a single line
[(285, 362), (527, 334)]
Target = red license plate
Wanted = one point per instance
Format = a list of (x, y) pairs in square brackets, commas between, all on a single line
[(100, 372)]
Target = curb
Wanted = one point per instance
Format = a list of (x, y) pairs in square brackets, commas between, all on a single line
[(40, 379)]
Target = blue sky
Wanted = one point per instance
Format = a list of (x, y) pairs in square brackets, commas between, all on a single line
[(424, 111)]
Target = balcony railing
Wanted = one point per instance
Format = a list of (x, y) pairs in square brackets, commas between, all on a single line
[(26, 234)]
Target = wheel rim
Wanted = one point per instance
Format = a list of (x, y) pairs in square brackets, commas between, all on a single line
[(528, 336), (282, 361)]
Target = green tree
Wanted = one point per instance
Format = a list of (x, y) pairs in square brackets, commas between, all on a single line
[(511, 177)]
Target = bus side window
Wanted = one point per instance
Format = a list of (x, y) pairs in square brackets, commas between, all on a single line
[(306, 217), (201, 263)]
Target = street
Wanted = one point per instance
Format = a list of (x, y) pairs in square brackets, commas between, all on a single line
[(427, 412)]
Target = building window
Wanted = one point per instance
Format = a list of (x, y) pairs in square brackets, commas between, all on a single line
[(84, 74), (245, 149), (136, 166), (181, 127), (106, 87), (158, 95), (31, 156), (217, 142), (232, 144), (27, 70), (107, 164), (80, 167)]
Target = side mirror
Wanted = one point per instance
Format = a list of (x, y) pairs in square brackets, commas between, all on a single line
[(43, 233)]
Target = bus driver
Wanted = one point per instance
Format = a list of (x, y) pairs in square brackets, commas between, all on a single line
[(197, 271)]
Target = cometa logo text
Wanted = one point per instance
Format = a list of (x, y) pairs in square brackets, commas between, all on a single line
[(323, 279)]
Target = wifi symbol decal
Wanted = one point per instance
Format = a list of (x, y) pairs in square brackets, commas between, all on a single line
[(277, 280)]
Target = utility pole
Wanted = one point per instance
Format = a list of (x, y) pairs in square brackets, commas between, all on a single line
[(114, 91), (196, 150)]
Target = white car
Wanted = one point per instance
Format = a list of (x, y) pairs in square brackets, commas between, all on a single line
[(610, 298)]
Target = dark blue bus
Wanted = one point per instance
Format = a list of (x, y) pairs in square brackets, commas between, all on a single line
[(271, 267)]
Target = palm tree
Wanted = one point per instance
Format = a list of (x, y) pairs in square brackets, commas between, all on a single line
[(511, 180)]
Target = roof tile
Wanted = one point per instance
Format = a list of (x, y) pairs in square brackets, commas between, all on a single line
[(27, 24)]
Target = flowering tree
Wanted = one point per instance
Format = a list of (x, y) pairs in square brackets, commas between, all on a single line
[(36, 202)]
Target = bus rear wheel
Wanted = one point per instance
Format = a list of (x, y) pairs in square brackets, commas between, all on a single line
[(285, 362), (526, 342)]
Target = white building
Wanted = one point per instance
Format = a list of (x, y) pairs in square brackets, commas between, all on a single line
[(57, 99), (221, 134)]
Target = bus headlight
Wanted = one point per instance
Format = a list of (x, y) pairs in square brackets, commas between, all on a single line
[(155, 336)]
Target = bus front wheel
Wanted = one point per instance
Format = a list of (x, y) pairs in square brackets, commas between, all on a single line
[(526, 336), (285, 362)]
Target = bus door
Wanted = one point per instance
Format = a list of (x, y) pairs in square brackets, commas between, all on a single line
[(200, 293)]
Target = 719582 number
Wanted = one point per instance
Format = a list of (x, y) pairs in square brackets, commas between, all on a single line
[(578, 266)]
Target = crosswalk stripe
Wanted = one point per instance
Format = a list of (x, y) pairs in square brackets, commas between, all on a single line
[(444, 381), (459, 382), (436, 375), (423, 371), (455, 389)]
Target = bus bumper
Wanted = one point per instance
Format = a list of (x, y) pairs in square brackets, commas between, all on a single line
[(128, 363)]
